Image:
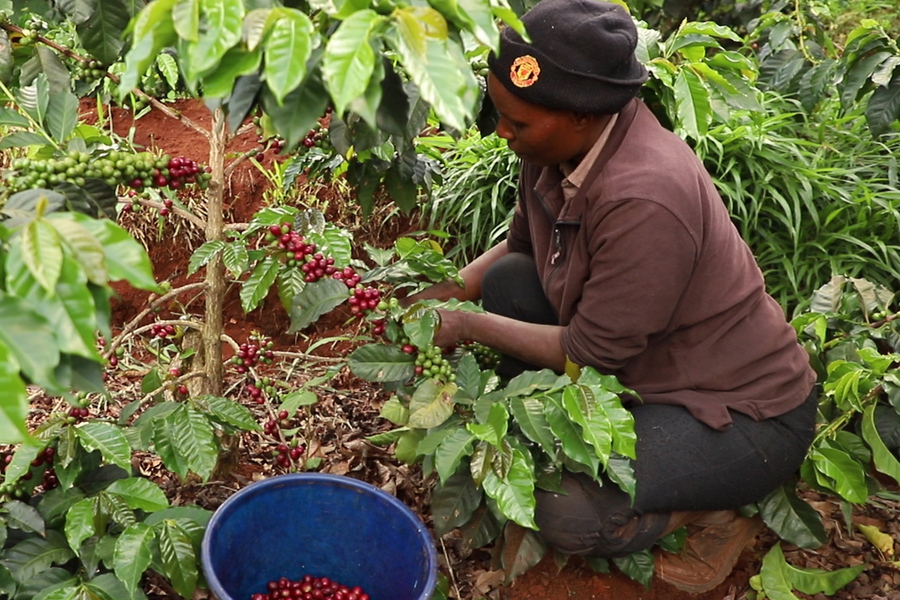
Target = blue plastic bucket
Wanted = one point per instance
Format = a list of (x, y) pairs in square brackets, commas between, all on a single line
[(321, 525)]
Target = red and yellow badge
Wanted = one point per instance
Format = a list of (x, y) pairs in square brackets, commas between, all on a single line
[(524, 71)]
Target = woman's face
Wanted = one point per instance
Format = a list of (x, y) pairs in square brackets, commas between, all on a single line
[(542, 136)]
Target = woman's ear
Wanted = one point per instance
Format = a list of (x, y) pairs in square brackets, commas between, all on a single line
[(589, 120)]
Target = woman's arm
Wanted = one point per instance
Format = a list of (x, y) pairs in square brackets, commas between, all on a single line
[(539, 345)]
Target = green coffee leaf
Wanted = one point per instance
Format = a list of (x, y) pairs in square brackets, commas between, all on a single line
[(522, 549), (394, 411), (381, 362), (30, 557), (468, 377), (350, 57), (387, 438), (288, 47), (774, 575), (56, 502), (515, 493), (110, 587), (482, 529), (407, 445), (638, 566), (454, 501), (620, 420), (480, 462), (42, 253), (315, 300), (178, 557), (23, 517), (257, 286), (529, 416), (186, 19), (433, 439), (495, 429), (236, 259), (692, 102), (133, 554), (224, 24), (62, 115), (152, 30), (14, 400), (81, 523), (431, 404), (883, 108), (419, 326), (620, 470), (140, 493), (793, 519), (232, 413), (885, 461), (570, 436), (529, 382), (108, 439), (86, 249), (450, 453), (442, 74), (204, 254), (125, 258), (579, 403), (845, 475)]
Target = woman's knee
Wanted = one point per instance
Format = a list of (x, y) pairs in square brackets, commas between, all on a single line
[(590, 519)]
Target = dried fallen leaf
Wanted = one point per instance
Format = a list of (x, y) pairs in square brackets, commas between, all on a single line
[(485, 581)]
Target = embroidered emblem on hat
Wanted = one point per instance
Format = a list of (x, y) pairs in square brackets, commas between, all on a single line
[(524, 71)]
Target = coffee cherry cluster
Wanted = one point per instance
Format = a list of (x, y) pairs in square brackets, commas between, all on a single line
[(135, 170), (181, 170), (256, 394), (88, 71), (293, 248), (77, 413), (363, 299), (486, 357), (317, 137), (349, 276), (162, 332), (45, 457), (379, 326), (250, 354), (430, 362), (317, 266), (310, 588), (275, 144), (285, 455)]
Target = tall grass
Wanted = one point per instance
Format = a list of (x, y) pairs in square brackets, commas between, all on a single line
[(477, 195), (811, 198)]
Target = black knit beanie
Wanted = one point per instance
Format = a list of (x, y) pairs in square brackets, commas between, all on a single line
[(581, 57)]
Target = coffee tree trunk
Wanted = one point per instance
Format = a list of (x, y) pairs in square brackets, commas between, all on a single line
[(213, 325)]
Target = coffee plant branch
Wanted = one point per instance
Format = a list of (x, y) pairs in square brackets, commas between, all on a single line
[(152, 304), (187, 216)]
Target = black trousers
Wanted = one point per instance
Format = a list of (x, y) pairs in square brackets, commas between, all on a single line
[(682, 464)]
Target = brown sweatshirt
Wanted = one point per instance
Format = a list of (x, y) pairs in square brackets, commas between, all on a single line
[(653, 283)]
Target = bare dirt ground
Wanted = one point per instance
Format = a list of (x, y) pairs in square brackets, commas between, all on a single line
[(347, 410)]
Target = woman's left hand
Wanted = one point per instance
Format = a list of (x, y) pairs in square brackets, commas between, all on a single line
[(451, 328)]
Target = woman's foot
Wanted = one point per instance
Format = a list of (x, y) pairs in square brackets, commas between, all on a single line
[(714, 544)]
